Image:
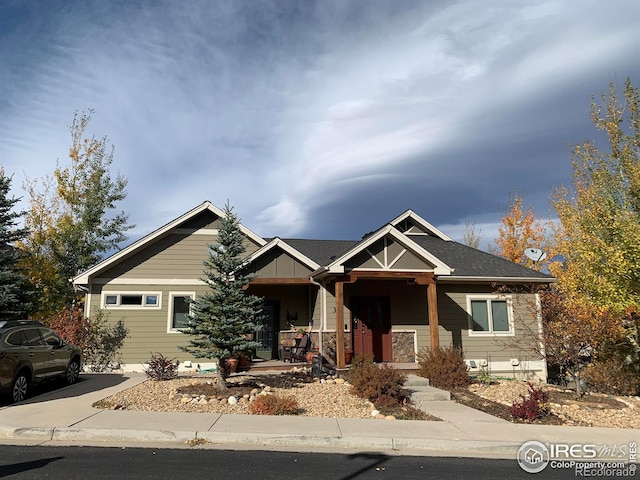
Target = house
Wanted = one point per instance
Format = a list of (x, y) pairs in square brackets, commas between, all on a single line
[(402, 287)]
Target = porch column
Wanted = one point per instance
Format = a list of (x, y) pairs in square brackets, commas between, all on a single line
[(339, 324), (432, 302)]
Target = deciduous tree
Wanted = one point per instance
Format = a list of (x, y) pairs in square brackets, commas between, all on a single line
[(599, 214), (471, 237), (520, 229), (72, 219)]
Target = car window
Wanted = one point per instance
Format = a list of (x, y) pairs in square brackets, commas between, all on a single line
[(16, 339), (49, 337), (33, 337)]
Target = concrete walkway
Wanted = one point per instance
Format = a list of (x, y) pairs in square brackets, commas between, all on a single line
[(65, 416)]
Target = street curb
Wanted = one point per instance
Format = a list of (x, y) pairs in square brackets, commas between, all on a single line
[(462, 448)]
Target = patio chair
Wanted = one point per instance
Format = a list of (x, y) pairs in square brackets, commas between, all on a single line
[(299, 352)]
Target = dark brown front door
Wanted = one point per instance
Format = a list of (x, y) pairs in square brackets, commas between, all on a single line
[(371, 327)]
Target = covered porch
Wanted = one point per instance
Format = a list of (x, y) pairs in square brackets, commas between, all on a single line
[(385, 314)]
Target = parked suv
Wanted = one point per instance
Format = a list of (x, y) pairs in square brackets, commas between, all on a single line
[(31, 353)]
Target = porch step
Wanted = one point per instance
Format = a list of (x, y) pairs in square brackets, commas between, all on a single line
[(421, 391), (416, 381)]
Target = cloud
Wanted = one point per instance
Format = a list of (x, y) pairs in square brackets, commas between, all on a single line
[(314, 118)]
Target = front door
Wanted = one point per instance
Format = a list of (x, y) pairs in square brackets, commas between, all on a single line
[(270, 328), (371, 327)]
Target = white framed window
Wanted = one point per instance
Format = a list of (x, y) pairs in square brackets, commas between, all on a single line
[(131, 300), (490, 315), (179, 309)]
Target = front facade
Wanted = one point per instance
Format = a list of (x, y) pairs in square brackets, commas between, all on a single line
[(402, 288)]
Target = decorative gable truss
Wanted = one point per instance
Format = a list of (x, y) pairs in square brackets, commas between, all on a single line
[(389, 250)]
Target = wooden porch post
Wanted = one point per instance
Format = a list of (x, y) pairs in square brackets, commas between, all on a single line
[(339, 324), (432, 302)]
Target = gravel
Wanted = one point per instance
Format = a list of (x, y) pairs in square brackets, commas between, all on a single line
[(315, 398), (592, 409), (326, 398)]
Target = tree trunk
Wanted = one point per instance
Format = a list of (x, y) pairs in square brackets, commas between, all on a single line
[(220, 374), (576, 378)]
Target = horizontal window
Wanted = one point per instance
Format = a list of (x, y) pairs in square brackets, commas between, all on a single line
[(131, 300), (490, 315)]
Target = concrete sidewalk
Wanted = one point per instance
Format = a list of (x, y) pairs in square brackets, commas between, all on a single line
[(65, 416)]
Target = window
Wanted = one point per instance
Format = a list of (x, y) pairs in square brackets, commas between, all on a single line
[(131, 300), (179, 310), (50, 338), (489, 315)]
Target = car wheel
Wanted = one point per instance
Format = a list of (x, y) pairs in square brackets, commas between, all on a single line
[(73, 372), (20, 388)]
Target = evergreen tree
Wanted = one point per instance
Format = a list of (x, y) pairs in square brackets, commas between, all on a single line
[(14, 291), (224, 319)]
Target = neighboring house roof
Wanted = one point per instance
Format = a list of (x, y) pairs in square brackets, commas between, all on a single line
[(83, 278)]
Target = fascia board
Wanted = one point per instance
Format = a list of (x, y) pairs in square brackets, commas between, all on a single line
[(83, 278), (469, 279)]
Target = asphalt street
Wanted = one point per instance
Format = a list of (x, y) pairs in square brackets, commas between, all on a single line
[(69, 463)]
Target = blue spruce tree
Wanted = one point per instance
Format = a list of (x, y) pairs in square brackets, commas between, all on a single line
[(224, 319)]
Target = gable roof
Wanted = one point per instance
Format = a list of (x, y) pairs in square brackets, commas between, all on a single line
[(472, 263), (323, 252), (282, 244), (451, 260), (425, 226), (83, 278), (439, 267)]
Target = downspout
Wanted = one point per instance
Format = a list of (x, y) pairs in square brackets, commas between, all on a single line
[(322, 308)]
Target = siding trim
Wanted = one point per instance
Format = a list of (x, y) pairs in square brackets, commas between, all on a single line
[(148, 281)]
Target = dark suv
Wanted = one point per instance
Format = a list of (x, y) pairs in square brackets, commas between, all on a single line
[(30, 353)]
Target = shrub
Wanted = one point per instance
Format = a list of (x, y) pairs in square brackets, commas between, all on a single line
[(612, 375), (385, 401), (99, 340), (409, 412), (444, 367), (161, 367), (383, 384), (531, 407), (274, 405)]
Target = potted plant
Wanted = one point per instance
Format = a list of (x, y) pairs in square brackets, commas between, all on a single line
[(312, 353), (300, 332), (348, 357)]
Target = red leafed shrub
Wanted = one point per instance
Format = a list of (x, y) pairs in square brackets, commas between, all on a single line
[(274, 405), (444, 367), (99, 339), (533, 406), (161, 367)]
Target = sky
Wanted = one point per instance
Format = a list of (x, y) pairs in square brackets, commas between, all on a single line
[(315, 119)]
